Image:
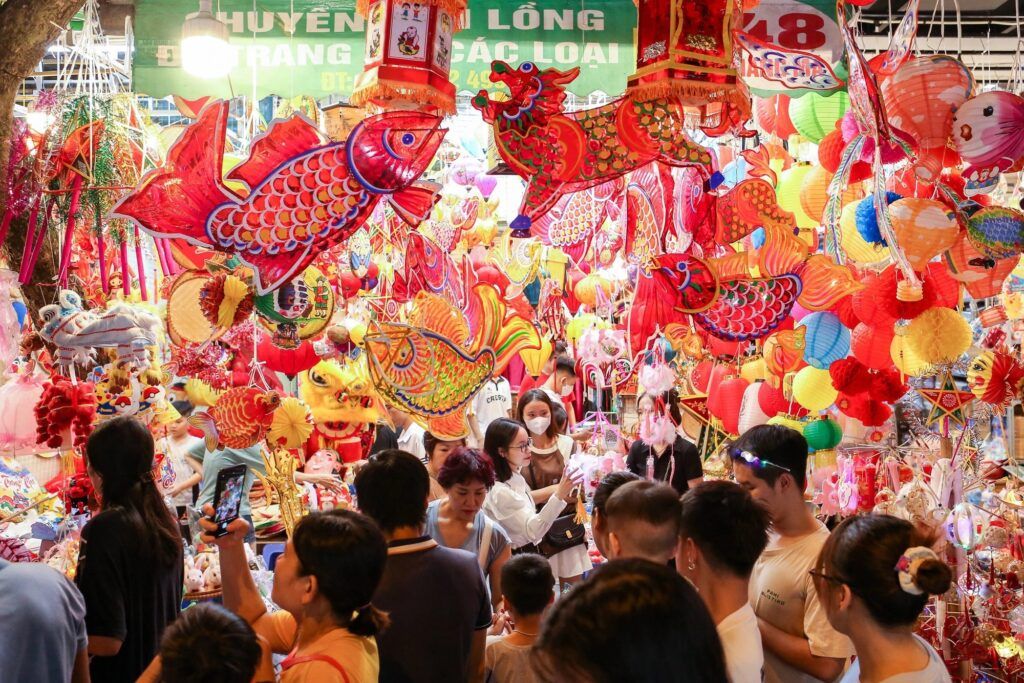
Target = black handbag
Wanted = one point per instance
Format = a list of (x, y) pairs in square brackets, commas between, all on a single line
[(565, 533)]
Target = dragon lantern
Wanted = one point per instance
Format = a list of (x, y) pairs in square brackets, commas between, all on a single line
[(558, 152)]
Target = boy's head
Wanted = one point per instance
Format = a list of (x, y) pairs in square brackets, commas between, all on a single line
[(643, 521), (721, 531), (599, 519), (392, 489), (770, 461), (208, 644), (179, 428), (565, 375), (527, 585)]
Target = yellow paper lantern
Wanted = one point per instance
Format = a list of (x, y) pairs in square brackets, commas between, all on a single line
[(814, 192), (787, 421), (939, 335), (788, 194), (812, 389), (534, 359), (753, 370), (905, 360), (586, 289), (856, 248)]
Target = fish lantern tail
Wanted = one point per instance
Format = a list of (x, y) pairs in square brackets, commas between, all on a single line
[(176, 200), (204, 422)]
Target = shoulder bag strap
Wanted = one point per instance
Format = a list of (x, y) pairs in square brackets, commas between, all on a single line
[(291, 660), (485, 544)]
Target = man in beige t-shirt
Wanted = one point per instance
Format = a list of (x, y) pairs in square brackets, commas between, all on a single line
[(800, 646)]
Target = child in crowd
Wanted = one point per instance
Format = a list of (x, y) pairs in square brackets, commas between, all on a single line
[(529, 589), (643, 521), (208, 644)]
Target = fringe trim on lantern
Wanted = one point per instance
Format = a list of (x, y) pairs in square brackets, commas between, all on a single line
[(456, 8), (690, 93), (908, 291), (387, 90)]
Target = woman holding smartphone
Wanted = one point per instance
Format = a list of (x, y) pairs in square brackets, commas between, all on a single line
[(324, 583), (130, 565)]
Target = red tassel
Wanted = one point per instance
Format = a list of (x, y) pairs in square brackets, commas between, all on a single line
[(69, 231), (101, 247), (126, 276), (140, 265)]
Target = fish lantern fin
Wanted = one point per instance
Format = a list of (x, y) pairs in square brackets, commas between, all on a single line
[(273, 270), (204, 422), (449, 427), (414, 204), (283, 141)]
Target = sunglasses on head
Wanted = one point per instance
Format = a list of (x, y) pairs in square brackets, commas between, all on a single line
[(754, 461)]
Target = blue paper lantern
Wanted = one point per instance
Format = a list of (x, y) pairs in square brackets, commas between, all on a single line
[(867, 221), (826, 339)]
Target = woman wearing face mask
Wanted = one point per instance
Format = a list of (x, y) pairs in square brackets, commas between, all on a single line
[(660, 453), (875, 574), (549, 453), (437, 451), (510, 504), (458, 520)]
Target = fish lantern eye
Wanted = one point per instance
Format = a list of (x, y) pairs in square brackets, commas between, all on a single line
[(988, 111), (527, 67), (499, 67), (408, 138)]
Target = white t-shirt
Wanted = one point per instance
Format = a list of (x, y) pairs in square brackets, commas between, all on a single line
[(782, 593), (494, 400), (505, 663), (934, 672), (411, 441), (175, 469), (741, 640)]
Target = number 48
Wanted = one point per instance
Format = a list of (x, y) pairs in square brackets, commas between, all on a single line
[(798, 30)]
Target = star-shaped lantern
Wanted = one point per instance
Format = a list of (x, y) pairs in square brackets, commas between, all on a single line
[(947, 403)]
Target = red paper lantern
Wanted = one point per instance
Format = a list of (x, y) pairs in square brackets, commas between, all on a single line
[(846, 312), (730, 399), (724, 347), (408, 55), (979, 281), (773, 402), (865, 303), (870, 346), (718, 375), (700, 376)]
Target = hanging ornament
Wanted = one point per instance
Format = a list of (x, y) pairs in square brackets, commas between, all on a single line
[(408, 55)]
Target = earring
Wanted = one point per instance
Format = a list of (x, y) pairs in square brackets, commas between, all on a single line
[(690, 564)]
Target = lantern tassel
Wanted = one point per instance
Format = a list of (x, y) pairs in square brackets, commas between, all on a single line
[(140, 265), (126, 276), (69, 230), (101, 247), (388, 90)]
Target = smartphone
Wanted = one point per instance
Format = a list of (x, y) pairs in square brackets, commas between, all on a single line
[(227, 497)]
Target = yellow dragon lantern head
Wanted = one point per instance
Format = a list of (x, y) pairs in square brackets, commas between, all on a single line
[(341, 394)]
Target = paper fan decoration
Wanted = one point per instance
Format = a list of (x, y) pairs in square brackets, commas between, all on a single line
[(292, 424), (225, 300), (186, 321), (750, 308)]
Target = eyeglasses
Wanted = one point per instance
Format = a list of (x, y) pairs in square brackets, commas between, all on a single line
[(754, 461), (521, 447)]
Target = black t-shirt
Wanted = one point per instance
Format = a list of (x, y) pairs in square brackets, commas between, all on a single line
[(127, 596), (436, 598), (684, 453)]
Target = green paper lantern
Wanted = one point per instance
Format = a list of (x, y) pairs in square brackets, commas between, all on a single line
[(815, 116), (823, 434)]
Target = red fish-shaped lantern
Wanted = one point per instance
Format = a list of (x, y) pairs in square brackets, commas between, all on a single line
[(239, 419), (304, 195)]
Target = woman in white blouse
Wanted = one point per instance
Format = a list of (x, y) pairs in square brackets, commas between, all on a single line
[(509, 502)]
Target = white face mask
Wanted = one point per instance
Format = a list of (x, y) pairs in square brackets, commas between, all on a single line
[(567, 389), (538, 425)]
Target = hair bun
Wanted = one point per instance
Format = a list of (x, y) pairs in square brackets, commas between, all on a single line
[(933, 577)]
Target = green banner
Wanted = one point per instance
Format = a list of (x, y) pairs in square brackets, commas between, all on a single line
[(315, 47)]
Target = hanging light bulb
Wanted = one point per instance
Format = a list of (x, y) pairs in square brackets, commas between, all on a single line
[(205, 52)]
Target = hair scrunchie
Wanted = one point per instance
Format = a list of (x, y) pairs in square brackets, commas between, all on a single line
[(908, 565)]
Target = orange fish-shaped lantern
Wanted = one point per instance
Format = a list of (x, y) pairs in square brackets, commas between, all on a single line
[(239, 419), (304, 195)]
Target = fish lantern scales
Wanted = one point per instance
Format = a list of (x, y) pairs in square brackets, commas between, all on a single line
[(408, 55), (685, 51)]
